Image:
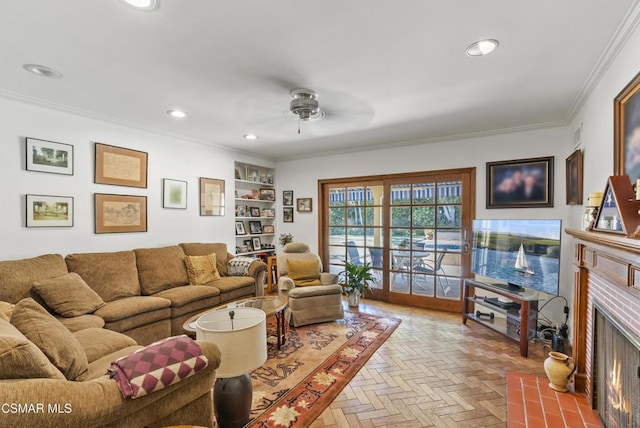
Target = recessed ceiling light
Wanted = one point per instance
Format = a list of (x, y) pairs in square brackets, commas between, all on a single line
[(42, 70), (482, 47), (177, 113), (144, 5), (250, 136)]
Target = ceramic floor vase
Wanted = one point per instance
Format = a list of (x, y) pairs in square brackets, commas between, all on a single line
[(559, 369)]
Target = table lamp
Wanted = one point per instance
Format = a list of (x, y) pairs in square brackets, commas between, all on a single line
[(241, 335)]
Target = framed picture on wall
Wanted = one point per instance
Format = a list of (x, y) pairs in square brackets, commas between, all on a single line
[(626, 131), (48, 156), (174, 194), (522, 183), (287, 214), (49, 211), (287, 197), (304, 205), (120, 213), (120, 166), (211, 197), (574, 178)]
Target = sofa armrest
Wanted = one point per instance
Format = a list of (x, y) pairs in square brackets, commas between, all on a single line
[(98, 402), (327, 278), (256, 267), (285, 284)]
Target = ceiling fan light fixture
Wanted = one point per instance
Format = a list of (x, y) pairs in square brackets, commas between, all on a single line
[(482, 47), (42, 71), (304, 106)]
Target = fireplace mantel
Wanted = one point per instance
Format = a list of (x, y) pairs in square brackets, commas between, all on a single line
[(606, 270)]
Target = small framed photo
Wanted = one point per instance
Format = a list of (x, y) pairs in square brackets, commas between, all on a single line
[(238, 174), (287, 197), (522, 183), (120, 213), (49, 211), (247, 243), (48, 156), (255, 227), (257, 245), (304, 205), (241, 210), (626, 131), (255, 211), (240, 228), (574, 178), (120, 166), (252, 174), (268, 228), (267, 194), (174, 194), (211, 197), (268, 212), (287, 214)]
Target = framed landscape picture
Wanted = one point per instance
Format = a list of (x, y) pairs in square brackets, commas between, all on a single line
[(626, 134), (120, 166), (49, 211), (522, 183), (120, 213), (48, 156), (211, 197), (174, 194)]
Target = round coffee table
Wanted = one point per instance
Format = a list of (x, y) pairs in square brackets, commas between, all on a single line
[(270, 305)]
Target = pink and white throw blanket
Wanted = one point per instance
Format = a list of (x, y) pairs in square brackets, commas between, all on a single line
[(157, 366)]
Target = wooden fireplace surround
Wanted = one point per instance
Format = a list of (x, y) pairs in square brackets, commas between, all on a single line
[(606, 270)]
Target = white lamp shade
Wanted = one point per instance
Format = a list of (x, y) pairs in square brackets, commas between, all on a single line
[(243, 346)]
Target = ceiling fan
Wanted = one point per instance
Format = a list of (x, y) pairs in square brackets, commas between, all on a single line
[(305, 106)]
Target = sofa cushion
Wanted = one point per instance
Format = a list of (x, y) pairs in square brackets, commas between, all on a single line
[(180, 296), (48, 334), (21, 358), (68, 295), (81, 322), (231, 283), (201, 269), (160, 268), (111, 275), (98, 342), (202, 249), (131, 307), (304, 272), (17, 276)]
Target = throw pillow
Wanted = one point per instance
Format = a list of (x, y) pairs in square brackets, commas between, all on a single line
[(21, 359), (53, 338), (201, 269), (239, 266), (68, 295), (304, 272), (6, 308)]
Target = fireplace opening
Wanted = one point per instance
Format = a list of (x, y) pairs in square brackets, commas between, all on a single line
[(616, 372)]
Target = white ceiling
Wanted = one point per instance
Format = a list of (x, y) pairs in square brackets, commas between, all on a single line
[(387, 71)]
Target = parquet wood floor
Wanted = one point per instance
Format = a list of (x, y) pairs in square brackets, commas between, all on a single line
[(432, 372)]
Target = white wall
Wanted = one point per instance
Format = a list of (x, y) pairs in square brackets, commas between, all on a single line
[(168, 158)]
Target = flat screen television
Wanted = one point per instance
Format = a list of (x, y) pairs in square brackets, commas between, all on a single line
[(519, 254)]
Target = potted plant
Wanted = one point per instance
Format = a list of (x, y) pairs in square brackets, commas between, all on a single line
[(356, 281)]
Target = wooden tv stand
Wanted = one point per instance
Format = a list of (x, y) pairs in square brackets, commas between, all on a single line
[(510, 320)]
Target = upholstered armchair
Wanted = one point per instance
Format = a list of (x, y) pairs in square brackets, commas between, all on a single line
[(313, 296)]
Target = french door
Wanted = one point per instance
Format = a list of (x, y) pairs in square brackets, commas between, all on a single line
[(412, 228)]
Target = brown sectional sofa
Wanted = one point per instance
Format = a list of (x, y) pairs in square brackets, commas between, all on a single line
[(146, 290), (143, 293)]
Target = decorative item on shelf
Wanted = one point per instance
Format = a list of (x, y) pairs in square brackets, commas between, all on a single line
[(285, 238), (255, 227), (591, 210), (241, 210), (618, 211), (356, 281), (268, 228), (241, 335), (560, 369), (267, 194)]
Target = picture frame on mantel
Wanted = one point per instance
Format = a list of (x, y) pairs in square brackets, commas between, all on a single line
[(626, 131), (618, 211), (120, 166)]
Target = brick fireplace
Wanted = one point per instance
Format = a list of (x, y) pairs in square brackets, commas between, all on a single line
[(606, 281)]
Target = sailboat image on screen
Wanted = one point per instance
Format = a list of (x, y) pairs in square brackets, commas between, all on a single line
[(522, 266)]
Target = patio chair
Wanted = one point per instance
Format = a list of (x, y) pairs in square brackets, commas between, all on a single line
[(354, 255), (376, 261), (433, 269)]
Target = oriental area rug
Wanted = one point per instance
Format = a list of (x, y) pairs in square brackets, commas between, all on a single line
[(316, 362)]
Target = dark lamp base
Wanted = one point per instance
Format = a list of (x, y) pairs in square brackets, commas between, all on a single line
[(232, 401)]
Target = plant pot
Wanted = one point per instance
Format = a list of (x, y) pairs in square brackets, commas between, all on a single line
[(559, 369), (354, 300)]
